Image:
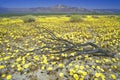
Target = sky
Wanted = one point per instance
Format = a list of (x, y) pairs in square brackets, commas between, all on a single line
[(91, 4)]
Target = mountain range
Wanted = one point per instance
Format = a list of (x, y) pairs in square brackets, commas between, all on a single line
[(58, 9)]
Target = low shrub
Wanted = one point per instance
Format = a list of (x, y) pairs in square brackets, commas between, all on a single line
[(75, 18), (28, 18)]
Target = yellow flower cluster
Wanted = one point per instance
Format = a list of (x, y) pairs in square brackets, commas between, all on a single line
[(19, 39)]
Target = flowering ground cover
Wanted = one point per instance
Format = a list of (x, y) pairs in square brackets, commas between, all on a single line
[(30, 51)]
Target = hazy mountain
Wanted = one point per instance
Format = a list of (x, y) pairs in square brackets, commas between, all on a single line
[(111, 11), (57, 9)]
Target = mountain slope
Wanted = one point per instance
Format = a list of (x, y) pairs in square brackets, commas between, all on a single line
[(57, 9)]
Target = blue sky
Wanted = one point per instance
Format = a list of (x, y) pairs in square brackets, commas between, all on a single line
[(79, 3)]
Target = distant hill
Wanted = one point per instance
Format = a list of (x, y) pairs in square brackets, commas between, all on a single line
[(58, 9)]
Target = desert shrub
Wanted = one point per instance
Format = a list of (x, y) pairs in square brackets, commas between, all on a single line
[(110, 16), (118, 18), (68, 15), (75, 18), (5, 19), (95, 16), (28, 18)]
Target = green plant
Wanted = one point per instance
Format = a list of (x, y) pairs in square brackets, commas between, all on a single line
[(75, 18), (28, 18)]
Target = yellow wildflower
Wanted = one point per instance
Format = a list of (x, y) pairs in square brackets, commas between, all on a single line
[(36, 57), (3, 75), (72, 54), (84, 73), (45, 61), (98, 67), (76, 66), (81, 67), (93, 66), (96, 79), (43, 67), (18, 59), (61, 74), (97, 74), (2, 66), (76, 77), (6, 58), (19, 68), (61, 65), (52, 57), (113, 76), (8, 77), (81, 79), (27, 65), (70, 64), (49, 68)]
